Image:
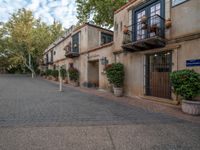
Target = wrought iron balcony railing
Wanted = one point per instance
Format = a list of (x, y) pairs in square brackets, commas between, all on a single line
[(69, 51), (148, 33)]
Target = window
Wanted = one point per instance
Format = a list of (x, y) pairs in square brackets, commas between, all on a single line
[(106, 38), (47, 58), (116, 27), (75, 43), (121, 24), (176, 2), (153, 12), (52, 56)]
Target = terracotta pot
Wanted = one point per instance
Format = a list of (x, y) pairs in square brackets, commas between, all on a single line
[(118, 91), (168, 23), (125, 30), (65, 81), (191, 107), (55, 79), (49, 78), (74, 83), (144, 27), (143, 19), (154, 28)]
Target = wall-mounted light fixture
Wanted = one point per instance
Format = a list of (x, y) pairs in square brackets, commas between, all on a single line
[(104, 61)]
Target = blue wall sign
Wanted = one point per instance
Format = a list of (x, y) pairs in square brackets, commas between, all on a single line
[(193, 63)]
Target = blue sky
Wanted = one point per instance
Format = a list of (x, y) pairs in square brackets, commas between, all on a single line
[(62, 10)]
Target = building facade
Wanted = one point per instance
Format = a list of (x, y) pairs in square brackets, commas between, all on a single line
[(153, 38), (54, 55), (87, 48)]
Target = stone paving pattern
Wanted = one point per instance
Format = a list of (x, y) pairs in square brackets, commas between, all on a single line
[(34, 115)]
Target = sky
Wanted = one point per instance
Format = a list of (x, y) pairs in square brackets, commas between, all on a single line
[(48, 10)]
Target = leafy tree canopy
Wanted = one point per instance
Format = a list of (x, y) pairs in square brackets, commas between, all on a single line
[(23, 39), (101, 12)]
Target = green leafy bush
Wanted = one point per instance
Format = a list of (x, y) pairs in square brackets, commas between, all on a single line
[(186, 83), (63, 73), (42, 73), (73, 74), (115, 74), (49, 72), (55, 73)]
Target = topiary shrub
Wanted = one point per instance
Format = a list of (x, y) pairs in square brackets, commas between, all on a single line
[(55, 73), (42, 73), (115, 74), (48, 72), (186, 83), (63, 73), (73, 74)]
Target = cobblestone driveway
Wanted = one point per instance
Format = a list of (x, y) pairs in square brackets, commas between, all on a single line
[(34, 115), (34, 101), (28, 101)]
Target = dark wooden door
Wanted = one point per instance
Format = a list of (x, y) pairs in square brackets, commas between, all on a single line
[(158, 69)]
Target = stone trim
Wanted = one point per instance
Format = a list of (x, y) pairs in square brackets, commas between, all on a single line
[(187, 37), (166, 48)]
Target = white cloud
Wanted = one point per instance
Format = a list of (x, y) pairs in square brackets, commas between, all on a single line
[(48, 10)]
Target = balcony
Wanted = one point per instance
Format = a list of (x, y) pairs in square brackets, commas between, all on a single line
[(149, 33), (69, 52)]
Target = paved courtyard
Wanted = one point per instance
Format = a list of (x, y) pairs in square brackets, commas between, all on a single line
[(34, 115)]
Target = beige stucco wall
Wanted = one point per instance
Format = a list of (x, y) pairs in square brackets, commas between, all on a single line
[(188, 50), (185, 18), (59, 50), (134, 67), (82, 65), (94, 35), (134, 64)]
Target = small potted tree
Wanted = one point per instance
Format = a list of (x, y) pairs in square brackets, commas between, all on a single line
[(43, 74), (63, 74), (115, 75), (48, 74), (186, 83), (73, 76), (55, 74)]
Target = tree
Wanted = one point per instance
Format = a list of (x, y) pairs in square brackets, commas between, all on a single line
[(27, 38), (101, 12)]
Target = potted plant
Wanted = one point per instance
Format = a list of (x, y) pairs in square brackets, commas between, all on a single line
[(144, 19), (48, 74), (73, 76), (43, 74), (55, 74), (63, 74), (154, 28), (125, 29), (168, 23), (144, 26), (186, 83), (115, 74)]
